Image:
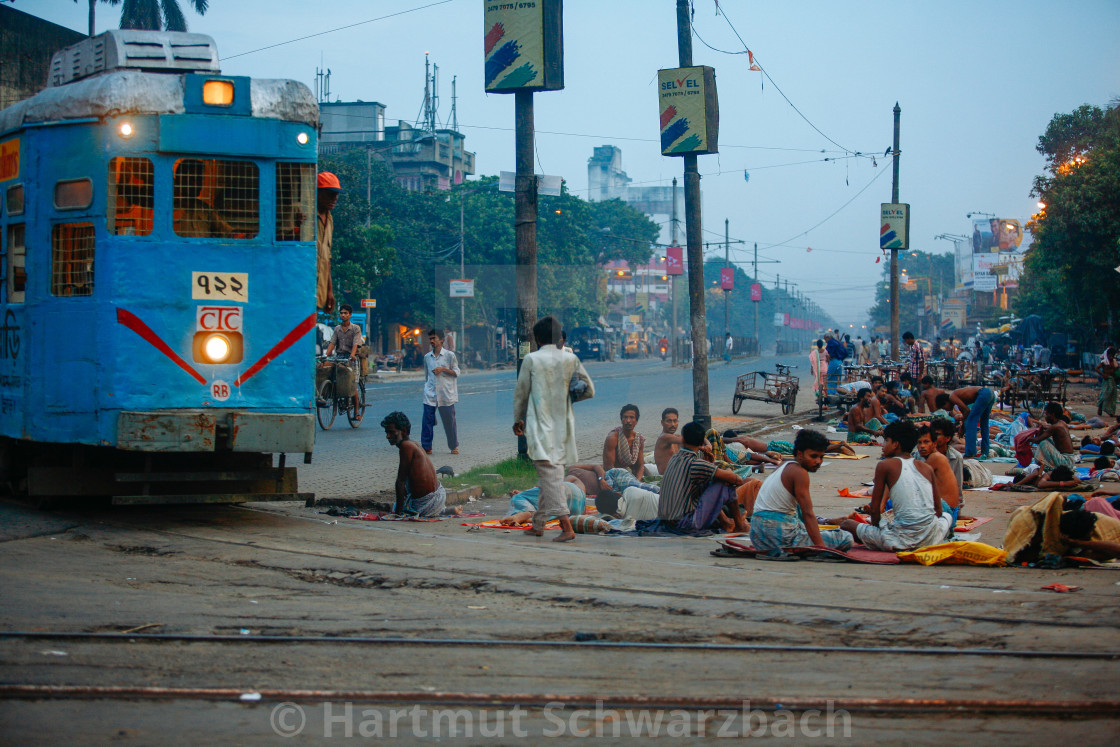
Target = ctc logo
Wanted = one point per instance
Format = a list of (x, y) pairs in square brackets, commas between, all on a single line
[(219, 319)]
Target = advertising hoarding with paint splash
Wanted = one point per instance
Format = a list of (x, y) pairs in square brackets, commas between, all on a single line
[(894, 225), (524, 45), (689, 110)]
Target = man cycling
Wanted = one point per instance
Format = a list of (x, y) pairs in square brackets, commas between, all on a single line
[(346, 340)]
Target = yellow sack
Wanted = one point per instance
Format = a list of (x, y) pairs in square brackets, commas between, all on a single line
[(956, 553)]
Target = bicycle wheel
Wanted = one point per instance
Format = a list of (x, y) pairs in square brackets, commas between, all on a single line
[(352, 416), (325, 412)]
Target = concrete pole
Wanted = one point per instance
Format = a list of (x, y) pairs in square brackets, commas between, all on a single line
[(695, 240), (674, 278), (757, 342), (525, 232), (460, 344), (894, 252), (726, 263)]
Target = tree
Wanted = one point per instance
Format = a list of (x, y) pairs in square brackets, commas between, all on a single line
[(155, 15), (1068, 277)]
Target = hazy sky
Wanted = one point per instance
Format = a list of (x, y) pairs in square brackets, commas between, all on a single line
[(977, 82)]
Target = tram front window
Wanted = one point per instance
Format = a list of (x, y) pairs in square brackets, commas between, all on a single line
[(130, 196), (295, 201), (216, 199)]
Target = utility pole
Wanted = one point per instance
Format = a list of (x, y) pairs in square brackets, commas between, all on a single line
[(461, 342), (726, 264), (894, 252), (673, 279), (525, 232), (700, 413), (757, 342)]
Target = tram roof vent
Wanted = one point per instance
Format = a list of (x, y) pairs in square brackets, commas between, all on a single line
[(151, 51)]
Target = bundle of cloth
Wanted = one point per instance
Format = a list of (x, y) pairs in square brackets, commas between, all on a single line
[(1046, 532)]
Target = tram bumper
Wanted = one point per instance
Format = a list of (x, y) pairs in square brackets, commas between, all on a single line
[(215, 430)]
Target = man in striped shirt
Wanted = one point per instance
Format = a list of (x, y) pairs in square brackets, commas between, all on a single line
[(917, 363), (694, 492)]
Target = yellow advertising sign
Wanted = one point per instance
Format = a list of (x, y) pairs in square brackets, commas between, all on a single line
[(689, 110), (524, 45), (9, 159)]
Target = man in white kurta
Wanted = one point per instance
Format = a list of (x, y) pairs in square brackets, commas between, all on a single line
[(542, 412)]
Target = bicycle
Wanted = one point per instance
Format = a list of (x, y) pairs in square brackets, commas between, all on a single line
[(329, 402)]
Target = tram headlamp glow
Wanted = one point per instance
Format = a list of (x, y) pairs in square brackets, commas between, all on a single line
[(217, 92), (216, 348), (302, 138), (125, 129)]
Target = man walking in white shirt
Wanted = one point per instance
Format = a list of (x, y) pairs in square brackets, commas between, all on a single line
[(441, 391), (542, 412)]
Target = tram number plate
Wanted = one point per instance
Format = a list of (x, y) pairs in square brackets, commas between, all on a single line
[(220, 286), (219, 390), (218, 319)]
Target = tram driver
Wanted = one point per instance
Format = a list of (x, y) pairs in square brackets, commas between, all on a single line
[(194, 217)]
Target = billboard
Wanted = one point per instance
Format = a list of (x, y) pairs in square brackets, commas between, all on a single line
[(689, 110), (524, 46), (674, 261), (993, 235), (726, 278), (894, 225), (756, 292)]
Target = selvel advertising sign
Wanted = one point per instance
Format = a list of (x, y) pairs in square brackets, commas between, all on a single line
[(524, 46), (894, 225), (689, 110)]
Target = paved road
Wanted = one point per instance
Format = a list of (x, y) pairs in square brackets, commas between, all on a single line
[(357, 462)]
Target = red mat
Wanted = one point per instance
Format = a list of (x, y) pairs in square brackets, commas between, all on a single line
[(858, 553)]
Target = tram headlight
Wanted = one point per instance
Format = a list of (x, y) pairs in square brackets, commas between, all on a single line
[(302, 138), (218, 348), (125, 130), (217, 92)]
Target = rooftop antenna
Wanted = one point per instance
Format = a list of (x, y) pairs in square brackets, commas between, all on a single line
[(322, 85), (454, 115), (426, 120)]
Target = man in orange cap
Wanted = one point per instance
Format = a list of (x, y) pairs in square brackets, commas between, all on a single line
[(328, 192)]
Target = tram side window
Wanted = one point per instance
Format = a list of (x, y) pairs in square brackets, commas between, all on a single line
[(216, 199), (73, 194), (14, 199), (295, 202), (17, 264), (130, 196), (72, 259)]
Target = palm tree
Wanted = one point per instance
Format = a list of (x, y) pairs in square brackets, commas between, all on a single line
[(157, 14), (150, 14)]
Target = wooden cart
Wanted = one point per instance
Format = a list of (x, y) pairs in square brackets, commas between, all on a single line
[(779, 387)]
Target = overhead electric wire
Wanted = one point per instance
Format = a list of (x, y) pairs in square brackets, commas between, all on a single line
[(340, 28)]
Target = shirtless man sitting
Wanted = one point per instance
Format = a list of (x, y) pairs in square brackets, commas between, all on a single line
[(418, 490), (669, 442), (863, 427), (624, 446), (928, 401), (947, 486), (1055, 447)]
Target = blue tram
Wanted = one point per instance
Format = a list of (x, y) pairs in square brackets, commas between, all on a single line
[(157, 254)]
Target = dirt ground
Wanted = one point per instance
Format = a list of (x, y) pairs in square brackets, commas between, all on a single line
[(435, 616)]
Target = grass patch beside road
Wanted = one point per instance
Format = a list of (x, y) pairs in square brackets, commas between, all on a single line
[(512, 474)]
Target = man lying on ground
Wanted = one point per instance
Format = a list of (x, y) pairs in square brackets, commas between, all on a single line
[(1054, 446), (624, 446), (418, 490), (694, 493), (1059, 478), (917, 516), (669, 442), (524, 504), (783, 513)]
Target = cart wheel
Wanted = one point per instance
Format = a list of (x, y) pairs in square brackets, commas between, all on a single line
[(790, 403), (736, 403)]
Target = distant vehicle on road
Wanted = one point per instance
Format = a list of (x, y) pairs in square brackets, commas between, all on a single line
[(589, 343)]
